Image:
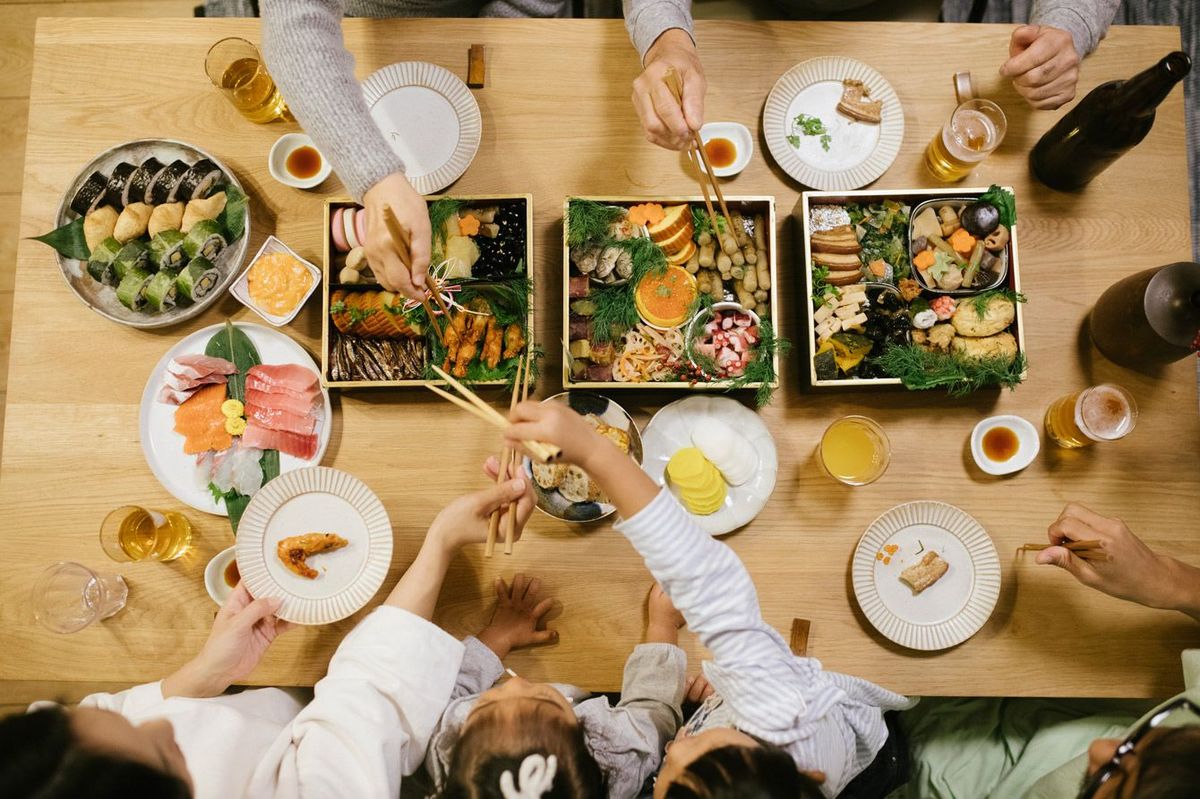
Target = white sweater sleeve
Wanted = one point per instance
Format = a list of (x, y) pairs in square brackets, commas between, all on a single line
[(372, 715), (135, 701)]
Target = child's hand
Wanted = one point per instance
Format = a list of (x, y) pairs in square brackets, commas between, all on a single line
[(465, 520), (664, 620), (554, 423), (697, 688), (518, 616)]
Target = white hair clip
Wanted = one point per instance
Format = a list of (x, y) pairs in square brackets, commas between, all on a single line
[(534, 778)]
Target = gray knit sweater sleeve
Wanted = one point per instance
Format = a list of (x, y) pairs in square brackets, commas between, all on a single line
[(1086, 20), (303, 47), (646, 20)]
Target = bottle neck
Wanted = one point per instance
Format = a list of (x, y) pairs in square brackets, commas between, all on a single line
[(1142, 94)]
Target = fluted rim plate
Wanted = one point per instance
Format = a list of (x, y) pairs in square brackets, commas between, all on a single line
[(859, 152), (312, 500), (951, 610), (429, 117)]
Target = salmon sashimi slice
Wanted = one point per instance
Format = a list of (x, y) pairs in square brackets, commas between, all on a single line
[(288, 376), (200, 421), (280, 419), (198, 365), (256, 398), (259, 437)]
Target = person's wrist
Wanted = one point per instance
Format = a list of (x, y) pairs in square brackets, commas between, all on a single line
[(495, 641), (193, 680), (1181, 587), (667, 41), (661, 632)]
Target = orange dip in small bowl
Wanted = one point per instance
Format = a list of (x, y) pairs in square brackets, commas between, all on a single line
[(278, 282)]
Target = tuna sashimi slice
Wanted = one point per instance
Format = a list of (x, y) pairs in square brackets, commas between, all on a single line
[(289, 376), (181, 383), (283, 401), (259, 437), (307, 395), (279, 419), (198, 365)]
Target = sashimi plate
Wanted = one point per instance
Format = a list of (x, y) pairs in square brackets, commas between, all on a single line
[(317, 499), (952, 609), (671, 430), (163, 447)]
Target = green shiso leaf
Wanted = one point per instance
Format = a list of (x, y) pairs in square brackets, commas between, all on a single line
[(921, 369), (233, 217), (68, 240)]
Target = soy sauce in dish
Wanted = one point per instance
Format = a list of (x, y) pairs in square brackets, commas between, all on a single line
[(721, 152), (232, 576), (303, 162), (1000, 444)]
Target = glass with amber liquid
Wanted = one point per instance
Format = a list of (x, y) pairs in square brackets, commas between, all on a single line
[(133, 533), (972, 133), (854, 451), (235, 67), (1105, 412)]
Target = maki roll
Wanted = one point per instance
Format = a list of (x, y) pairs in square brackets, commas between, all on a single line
[(130, 292), (114, 192), (197, 182), (90, 194), (159, 291), (204, 239), (162, 188), (100, 265), (166, 249), (133, 256), (137, 188), (196, 280)]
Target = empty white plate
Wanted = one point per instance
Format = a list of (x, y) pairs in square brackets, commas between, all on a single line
[(430, 118)]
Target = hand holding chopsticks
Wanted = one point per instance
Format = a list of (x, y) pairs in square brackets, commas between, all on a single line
[(1088, 550), (403, 245), (508, 464), (667, 122)]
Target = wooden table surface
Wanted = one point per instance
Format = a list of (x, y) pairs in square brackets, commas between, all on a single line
[(558, 121)]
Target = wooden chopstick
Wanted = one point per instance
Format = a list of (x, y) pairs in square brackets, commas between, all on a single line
[(466, 406), (510, 528), (1088, 550), (402, 244), (672, 80), (502, 474)]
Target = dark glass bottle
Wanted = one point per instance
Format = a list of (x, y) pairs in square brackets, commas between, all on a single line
[(1104, 125)]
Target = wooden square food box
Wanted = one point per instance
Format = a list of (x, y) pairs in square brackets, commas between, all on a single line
[(327, 264), (911, 197), (752, 204)]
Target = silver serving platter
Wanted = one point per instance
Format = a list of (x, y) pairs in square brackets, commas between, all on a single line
[(103, 299)]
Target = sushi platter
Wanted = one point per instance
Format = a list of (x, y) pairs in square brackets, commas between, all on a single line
[(919, 288), (151, 232), (655, 298), (371, 337)]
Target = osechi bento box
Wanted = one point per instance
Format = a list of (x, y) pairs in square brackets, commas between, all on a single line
[(919, 288), (654, 297), (482, 250)]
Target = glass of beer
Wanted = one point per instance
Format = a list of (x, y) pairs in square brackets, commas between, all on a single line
[(972, 133), (69, 596), (235, 67), (1105, 412), (132, 533), (854, 451)]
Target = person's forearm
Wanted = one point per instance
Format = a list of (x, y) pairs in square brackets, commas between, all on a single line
[(1086, 20), (417, 591), (646, 20), (1184, 583), (190, 681), (622, 480)]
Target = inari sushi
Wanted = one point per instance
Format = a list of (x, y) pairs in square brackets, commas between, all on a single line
[(130, 292), (196, 280), (166, 250), (134, 255), (100, 264), (90, 194), (159, 291), (205, 239)]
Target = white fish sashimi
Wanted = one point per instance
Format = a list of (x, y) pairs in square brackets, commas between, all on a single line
[(235, 469), (247, 471)]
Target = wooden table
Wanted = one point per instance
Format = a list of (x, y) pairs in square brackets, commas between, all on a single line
[(558, 121)]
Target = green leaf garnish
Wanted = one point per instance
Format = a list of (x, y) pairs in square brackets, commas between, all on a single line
[(68, 240)]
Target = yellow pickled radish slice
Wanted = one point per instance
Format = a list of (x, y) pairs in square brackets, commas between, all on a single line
[(687, 465), (232, 409), (235, 425)]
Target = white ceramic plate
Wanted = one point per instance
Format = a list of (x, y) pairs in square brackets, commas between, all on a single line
[(241, 287), (859, 152), (951, 610), (214, 575), (743, 143), (163, 447), (1028, 444), (315, 500), (430, 118), (671, 430)]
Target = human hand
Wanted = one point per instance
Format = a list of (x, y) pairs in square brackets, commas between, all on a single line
[(665, 122), (1043, 65), (664, 621), (240, 635), (697, 688), (518, 619), (413, 215), (554, 423), (465, 519)]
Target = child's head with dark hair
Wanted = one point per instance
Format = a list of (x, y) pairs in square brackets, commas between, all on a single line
[(724, 763), (1165, 764), (508, 724), (89, 754)]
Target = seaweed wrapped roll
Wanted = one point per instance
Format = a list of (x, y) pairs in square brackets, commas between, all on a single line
[(204, 239), (196, 280), (159, 291), (134, 255), (100, 264), (90, 194), (162, 188), (198, 181), (114, 192), (130, 292), (137, 188), (166, 249)]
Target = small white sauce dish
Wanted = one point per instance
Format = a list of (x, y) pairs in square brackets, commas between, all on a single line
[(214, 575), (277, 161), (1028, 444), (241, 286), (742, 140)]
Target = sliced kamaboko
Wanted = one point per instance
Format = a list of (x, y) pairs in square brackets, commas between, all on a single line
[(304, 424), (304, 447), (197, 365), (284, 401), (290, 376)]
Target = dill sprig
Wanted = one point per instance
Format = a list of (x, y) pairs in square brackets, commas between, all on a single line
[(921, 369), (439, 211), (646, 256), (615, 311), (980, 301), (588, 221)]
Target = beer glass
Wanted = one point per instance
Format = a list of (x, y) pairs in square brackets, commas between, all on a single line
[(69, 596), (235, 67), (132, 533), (972, 133), (1105, 412), (854, 451)]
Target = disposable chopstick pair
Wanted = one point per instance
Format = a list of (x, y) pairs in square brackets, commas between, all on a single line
[(1088, 550), (707, 177), (541, 452), (403, 245), (508, 465)]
